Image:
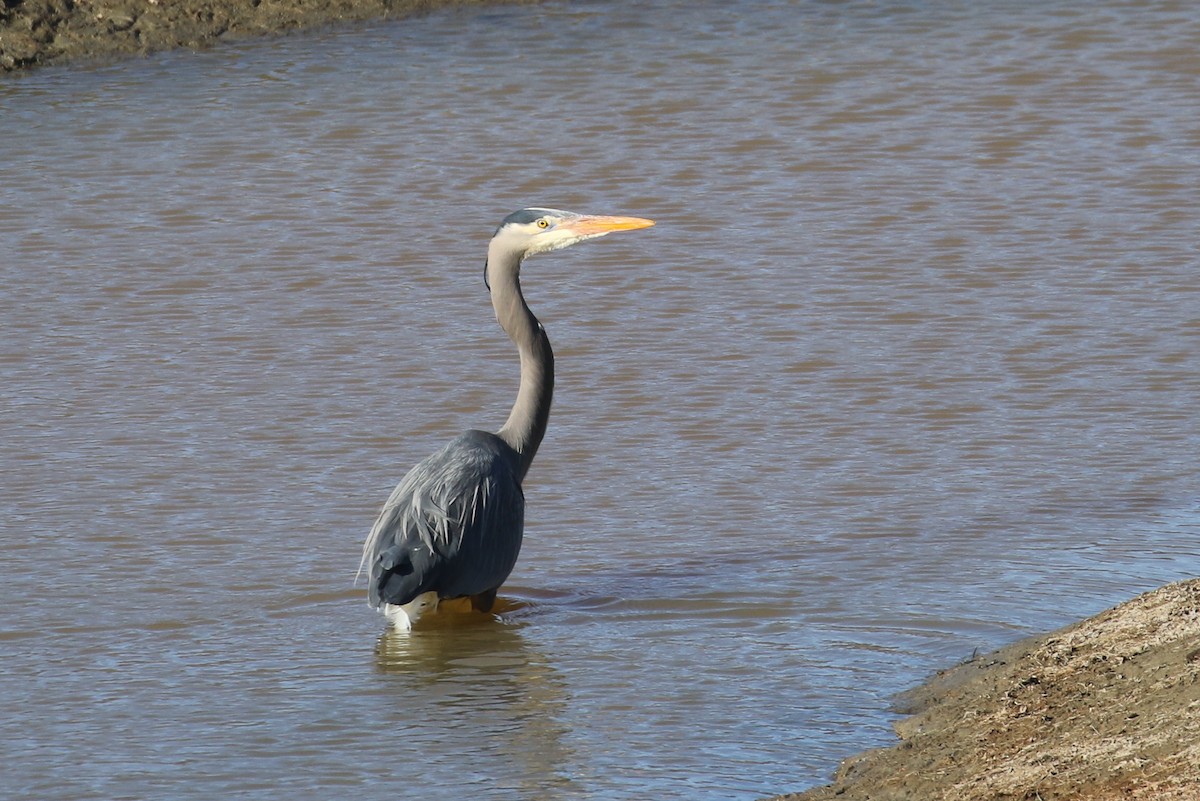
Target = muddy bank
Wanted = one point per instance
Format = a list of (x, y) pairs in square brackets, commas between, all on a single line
[(1102, 710), (36, 32)]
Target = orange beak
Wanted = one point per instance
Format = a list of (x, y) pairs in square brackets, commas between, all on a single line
[(588, 224)]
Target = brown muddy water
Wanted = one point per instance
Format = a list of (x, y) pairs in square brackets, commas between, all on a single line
[(909, 367)]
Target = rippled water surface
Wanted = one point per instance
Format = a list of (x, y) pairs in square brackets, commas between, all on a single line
[(908, 368)]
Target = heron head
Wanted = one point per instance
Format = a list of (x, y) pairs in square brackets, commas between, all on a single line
[(538, 230)]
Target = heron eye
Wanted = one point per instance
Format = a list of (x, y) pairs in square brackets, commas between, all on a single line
[(543, 223)]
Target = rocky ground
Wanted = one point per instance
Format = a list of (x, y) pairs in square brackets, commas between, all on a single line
[(36, 32), (1102, 710)]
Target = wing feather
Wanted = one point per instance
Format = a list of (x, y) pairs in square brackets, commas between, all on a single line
[(453, 524)]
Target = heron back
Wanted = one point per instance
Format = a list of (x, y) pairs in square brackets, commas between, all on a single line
[(453, 524)]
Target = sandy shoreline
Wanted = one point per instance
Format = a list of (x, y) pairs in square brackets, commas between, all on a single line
[(1105, 709), (40, 32)]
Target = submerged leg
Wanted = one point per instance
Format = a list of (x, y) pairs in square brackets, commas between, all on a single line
[(483, 601)]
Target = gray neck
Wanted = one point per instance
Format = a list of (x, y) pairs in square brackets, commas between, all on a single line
[(526, 424)]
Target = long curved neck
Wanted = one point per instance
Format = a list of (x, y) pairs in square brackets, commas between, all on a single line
[(526, 424)]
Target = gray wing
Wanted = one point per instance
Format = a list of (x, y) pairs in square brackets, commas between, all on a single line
[(453, 525)]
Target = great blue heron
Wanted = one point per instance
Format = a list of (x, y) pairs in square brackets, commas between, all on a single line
[(452, 528)]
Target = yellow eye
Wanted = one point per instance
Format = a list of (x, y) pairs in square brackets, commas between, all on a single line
[(543, 223)]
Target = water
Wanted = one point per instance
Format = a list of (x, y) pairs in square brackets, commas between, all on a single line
[(909, 367)]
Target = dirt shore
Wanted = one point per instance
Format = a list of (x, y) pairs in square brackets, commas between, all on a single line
[(38, 32), (1106, 709)]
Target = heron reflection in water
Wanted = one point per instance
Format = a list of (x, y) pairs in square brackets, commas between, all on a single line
[(452, 528)]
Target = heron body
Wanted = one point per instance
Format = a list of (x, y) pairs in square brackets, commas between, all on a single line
[(453, 526)]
